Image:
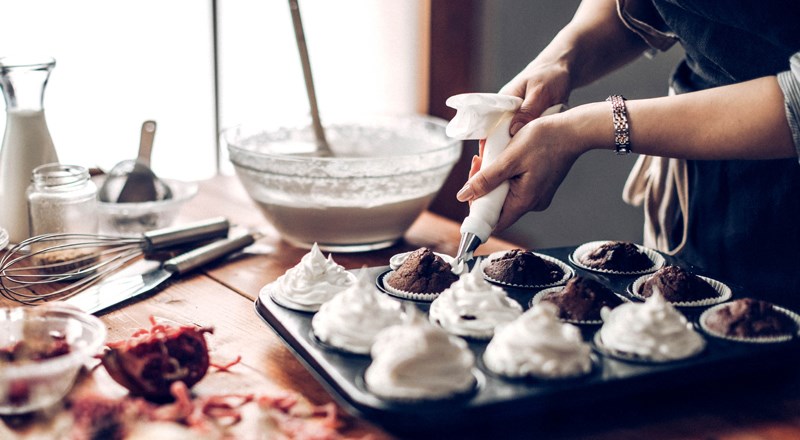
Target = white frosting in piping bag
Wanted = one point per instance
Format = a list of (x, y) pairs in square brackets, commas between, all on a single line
[(473, 307), (417, 360), (484, 116), (313, 281), (352, 318), (538, 344), (653, 330)]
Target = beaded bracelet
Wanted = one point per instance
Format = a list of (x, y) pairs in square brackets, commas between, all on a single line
[(622, 132)]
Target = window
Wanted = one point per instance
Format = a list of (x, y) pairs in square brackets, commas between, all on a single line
[(120, 63)]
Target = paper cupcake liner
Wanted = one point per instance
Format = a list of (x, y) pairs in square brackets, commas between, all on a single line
[(398, 259), (722, 289), (479, 381), (414, 296), (655, 257), (597, 341), (541, 294), (568, 272), (758, 340)]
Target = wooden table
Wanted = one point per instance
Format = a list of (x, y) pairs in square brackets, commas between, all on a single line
[(223, 295)]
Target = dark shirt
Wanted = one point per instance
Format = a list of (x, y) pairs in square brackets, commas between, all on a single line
[(743, 215)]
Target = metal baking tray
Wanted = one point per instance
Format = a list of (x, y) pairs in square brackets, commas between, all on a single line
[(503, 400)]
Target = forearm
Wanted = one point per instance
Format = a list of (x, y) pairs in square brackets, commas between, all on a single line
[(594, 43), (740, 121)]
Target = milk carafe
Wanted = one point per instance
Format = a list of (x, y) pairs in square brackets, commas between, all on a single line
[(27, 143)]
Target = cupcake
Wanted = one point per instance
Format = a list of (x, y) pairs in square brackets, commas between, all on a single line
[(313, 281), (581, 300), (651, 331), (749, 319), (472, 307), (522, 268), (352, 318), (423, 276), (677, 285), (419, 361), (614, 256), (538, 345)]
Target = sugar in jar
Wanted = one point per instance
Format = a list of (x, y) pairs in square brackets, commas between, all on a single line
[(62, 198)]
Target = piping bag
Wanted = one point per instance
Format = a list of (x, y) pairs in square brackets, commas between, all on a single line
[(483, 116)]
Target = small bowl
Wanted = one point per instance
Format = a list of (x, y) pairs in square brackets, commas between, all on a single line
[(135, 218), (385, 172), (32, 385)]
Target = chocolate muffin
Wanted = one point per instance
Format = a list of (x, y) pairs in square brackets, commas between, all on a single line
[(678, 285), (523, 268), (582, 299), (749, 318), (422, 272), (619, 256)]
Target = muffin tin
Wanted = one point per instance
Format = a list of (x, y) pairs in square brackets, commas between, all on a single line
[(505, 400)]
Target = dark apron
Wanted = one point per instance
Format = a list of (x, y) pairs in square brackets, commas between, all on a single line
[(744, 216)]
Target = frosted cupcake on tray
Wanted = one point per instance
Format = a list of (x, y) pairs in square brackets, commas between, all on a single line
[(616, 257), (313, 281), (751, 320), (422, 276), (580, 300), (352, 318), (525, 269), (419, 361), (653, 331), (472, 307), (681, 287), (538, 345)]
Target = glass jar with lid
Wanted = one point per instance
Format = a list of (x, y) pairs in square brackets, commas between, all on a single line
[(62, 198)]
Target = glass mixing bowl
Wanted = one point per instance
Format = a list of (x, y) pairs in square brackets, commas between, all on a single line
[(385, 171)]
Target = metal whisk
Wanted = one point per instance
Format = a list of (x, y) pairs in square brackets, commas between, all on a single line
[(51, 266)]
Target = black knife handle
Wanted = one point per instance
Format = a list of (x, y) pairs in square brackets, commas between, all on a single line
[(193, 259), (216, 227)]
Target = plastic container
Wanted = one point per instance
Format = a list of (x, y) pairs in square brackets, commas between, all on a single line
[(27, 386)]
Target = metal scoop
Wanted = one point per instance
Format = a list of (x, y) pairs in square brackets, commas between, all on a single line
[(132, 181)]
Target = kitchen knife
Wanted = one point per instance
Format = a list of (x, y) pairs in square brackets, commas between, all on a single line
[(112, 292)]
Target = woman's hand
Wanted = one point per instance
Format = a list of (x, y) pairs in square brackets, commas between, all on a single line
[(541, 85), (535, 163)]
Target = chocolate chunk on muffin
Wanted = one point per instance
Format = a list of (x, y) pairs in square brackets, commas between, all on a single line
[(678, 285), (619, 256), (422, 272), (523, 268), (582, 299), (749, 318)]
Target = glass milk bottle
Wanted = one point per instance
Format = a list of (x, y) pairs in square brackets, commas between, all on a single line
[(27, 143)]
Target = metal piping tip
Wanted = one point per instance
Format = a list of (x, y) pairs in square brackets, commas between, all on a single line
[(469, 242)]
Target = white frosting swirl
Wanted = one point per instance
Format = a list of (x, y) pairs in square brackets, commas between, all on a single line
[(313, 281), (653, 330), (417, 360), (472, 307), (538, 344), (352, 318)]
